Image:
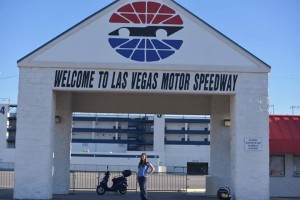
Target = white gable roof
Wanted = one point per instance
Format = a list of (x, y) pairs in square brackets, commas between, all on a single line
[(88, 45)]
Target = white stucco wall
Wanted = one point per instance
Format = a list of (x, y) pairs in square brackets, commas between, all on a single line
[(62, 140), (249, 118), (220, 137), (35, 135)]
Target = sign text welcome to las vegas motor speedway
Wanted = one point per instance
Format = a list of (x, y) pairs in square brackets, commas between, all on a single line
[(109, 80)]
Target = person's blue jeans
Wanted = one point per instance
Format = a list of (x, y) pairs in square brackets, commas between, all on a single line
[(143, 187)]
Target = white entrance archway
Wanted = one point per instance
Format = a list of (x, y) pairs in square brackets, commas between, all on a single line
[(193, 69)]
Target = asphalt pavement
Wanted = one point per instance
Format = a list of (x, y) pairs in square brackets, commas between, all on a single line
[(7, 194)]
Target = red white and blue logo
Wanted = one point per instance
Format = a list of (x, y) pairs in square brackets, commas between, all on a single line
[(146, 31)]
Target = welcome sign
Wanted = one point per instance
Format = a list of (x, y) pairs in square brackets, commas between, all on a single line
[(132, 80)]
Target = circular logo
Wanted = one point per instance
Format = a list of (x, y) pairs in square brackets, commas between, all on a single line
[(146, 31)]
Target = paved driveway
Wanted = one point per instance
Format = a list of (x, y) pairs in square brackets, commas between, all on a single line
[(130, 195), (7, 194)]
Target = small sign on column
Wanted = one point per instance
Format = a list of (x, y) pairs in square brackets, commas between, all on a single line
[(253, 144)]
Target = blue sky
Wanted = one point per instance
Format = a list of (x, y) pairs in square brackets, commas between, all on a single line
[(269, 29)]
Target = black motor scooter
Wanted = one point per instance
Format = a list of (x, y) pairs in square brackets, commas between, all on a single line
[(119, 183)]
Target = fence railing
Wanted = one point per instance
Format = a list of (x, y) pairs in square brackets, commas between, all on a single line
[(163, 181), (88, 180), (160, 181)]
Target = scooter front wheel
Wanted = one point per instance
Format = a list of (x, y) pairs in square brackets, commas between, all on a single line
[(100, 190), (123, 189)]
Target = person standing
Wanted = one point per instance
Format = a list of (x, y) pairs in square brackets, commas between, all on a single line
[(143, 174)]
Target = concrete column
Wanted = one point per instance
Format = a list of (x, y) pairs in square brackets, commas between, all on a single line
[(159, 138), (219, 169), (35, 133), (250, 121), (61, 177)]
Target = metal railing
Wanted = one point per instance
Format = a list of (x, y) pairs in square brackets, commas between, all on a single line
[(160, 181), (163, 181), (88, 180)]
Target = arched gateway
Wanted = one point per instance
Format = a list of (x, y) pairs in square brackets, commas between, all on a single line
[(140, 56)]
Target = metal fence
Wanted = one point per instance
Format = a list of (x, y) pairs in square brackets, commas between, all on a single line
[(160, 181), (88, 180), (163, 181)]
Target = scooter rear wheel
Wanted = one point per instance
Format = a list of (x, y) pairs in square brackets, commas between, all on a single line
[(100, 190), (123, 189)]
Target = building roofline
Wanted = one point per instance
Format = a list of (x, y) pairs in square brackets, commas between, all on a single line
[(195, 16), (198, 18), (283, 115)]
